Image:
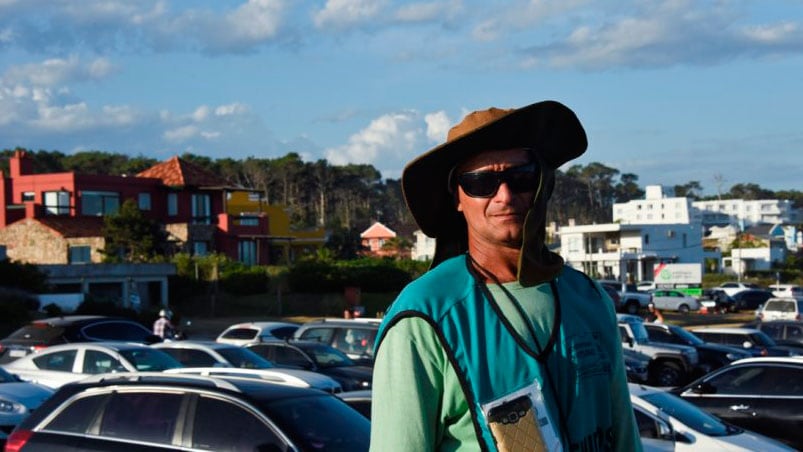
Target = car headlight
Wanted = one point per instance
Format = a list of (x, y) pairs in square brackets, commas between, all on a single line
[(8, 407), (736, 356)]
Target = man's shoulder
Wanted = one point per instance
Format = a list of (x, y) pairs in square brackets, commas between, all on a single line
[(435, 289)]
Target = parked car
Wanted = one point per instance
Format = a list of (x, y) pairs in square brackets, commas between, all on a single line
[(750, 339), (786, 290), (781, 309), (244, 333), (354, 337), (18, 399), (288, 377), (61, 364), (667, 422), (637, 366), (717, 301), (615, 297), (670, 364), (732, 288), (43, 333), (155, 411), (764, 395), (645, 286), (632, 300), (711, 356), (750, 299), (316, 357), (788, 333), (674, 300), (206, 355)]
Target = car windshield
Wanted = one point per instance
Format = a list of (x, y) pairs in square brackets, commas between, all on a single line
[(687, 336), (689, 414), (326, 357), (639, 332), (320, 422), (147, 359), (244, 358)]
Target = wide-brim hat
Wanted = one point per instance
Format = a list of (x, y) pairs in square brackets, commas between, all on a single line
[(550, 129)]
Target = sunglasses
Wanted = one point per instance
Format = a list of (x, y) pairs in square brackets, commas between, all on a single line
[(484, 184)]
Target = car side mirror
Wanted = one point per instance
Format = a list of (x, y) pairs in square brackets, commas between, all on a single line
[(665, 430)]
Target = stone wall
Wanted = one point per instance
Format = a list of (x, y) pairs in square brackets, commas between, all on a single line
[(30, 241)]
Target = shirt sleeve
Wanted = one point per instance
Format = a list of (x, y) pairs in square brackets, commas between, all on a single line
[(407, 389)]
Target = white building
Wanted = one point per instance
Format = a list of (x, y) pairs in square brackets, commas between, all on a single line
[(611, 250), (423, 248), (659, 206), (744, 213), (743, 260)]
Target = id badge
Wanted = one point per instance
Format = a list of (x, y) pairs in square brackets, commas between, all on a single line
[(520, 422)]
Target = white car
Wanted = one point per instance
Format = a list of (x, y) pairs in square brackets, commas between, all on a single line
[(674, 300), (58, 365), (209, 355), (250, 332), (732, 288), (288, 377), (786, 290), (17, 399), (668, 423), (781, 309)]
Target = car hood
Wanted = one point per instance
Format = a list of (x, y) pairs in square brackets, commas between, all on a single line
[(748, 440), (722, 348), (360, 372), (29, 394)]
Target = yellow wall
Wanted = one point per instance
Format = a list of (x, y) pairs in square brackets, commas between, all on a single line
[(278, 220)]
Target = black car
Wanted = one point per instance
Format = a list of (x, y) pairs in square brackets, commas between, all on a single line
[(751, 340), (750, 299), (76, 328), (712, 356), (153, 411), (764, 395), (316, 357), (788, 333)]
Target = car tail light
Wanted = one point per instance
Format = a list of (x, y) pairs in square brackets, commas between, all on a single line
[(17, 439), (764, 352), (39, 347)]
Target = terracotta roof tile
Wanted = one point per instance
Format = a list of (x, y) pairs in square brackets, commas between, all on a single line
[(74, 226), (177, 172)]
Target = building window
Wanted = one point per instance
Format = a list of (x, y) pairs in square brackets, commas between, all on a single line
[(3, 255), (201, 209), (28, 196), (646, 239), (200, 248), (172, 204), (144, 201), (80, 254), (247, 251), (99, 203), (57, 202)]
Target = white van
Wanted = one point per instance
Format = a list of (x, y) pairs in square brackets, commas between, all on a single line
[(781, 309), (786, 290)]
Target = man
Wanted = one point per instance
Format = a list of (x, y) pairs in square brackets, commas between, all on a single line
[(653, 314), (162, 326), (499, 346)]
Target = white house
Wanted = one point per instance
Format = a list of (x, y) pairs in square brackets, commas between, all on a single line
[(747, 212), (610, 250), (423, 248), (659, 206)]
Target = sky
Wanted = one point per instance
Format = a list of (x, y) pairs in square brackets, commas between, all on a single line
[(671, 91)]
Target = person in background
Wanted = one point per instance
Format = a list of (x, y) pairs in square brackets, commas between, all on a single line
[(162, 326), (499, 346), (653, 314)]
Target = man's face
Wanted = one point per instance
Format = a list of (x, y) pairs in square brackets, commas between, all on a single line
[(496, 221)]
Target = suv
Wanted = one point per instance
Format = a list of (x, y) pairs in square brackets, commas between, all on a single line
[(750, 339), (354, 337), (781, 309), (632, 300), (712, 356), (670, 364), (156, 411), (73, 328)]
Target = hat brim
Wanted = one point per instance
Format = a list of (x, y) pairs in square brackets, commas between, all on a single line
[(550, 128)]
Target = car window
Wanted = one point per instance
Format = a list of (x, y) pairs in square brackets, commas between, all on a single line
[(647, 428), (772, 330), (190, 357), (355, 340), (687, 413), (284, 332), (241, 334), (741, 380), (62, 361), (141, 416), (290, 357), (77, 416), (794, 332), (244, 358), (98, 362), (150, 360), (659, 334), (323, 334), (117, 331), (220, 425)]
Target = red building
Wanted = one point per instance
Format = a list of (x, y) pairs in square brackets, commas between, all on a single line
[(53, 218)]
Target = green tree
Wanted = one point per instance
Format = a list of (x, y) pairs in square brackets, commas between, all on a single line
[(131, 237)]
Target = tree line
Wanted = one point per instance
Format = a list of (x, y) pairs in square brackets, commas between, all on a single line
[(346, 199)]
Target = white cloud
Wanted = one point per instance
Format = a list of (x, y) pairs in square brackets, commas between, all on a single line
[(347, 13), (429, 11), (180, 134), (438, 125), (201, 113), (58, 71), (231, 109), (388, 137)]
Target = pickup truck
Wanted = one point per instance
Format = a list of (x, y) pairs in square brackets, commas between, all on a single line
[(669, 365), (631, 300)]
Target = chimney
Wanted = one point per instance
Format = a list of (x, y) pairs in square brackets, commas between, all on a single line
[(20, 164)]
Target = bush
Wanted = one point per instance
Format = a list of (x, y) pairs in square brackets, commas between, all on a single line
[(244, 280), (16, 309)]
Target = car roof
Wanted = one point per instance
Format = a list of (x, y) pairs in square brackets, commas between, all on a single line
[(798, 360), (109, 345), (198, 345), (261, 324), (74, 319), (724, 330), (367, 321)]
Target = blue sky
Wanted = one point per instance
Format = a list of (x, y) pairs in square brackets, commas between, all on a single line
[(672, 91)]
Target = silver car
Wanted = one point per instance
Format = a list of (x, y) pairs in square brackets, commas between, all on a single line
[(674, 300)]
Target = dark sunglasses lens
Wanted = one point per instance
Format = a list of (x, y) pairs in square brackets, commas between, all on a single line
[(479, 185), (520, 182)]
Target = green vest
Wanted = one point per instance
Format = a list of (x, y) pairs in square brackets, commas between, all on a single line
[(493, 361)]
